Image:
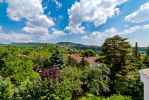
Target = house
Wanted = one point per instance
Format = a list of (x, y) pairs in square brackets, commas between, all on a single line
[(91, 60), (145, 79), (76, 59)]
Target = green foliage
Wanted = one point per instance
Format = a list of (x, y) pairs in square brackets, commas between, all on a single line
[(70, 83), (2, 63), (146, 61), (83, 62), (116, 52), (147, 51), (88, 53), (6, 89), (114, 97), (117, 74), (136, 52), (130, 85), (56, 59), (96, 80)]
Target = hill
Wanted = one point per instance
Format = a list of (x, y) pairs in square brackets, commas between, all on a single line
[(65, 44), (79, 46)]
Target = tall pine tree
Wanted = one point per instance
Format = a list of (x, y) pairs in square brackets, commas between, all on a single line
[(136, 53), (116, 52), (147, 51)]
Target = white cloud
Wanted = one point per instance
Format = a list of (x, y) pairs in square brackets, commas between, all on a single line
[(7, 37), (112, 32), (57, 32), (32, 11), (141, 15), (136, 28), (14, 37), (75, 19), (37, 30), (95, 11), (138, 33), (76, 29), (53, 36), (49, 37), (93, 39), (24, 9), (98, 11), (38, 26), (97, 38)]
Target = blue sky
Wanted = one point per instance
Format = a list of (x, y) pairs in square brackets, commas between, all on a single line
[(82, 21)]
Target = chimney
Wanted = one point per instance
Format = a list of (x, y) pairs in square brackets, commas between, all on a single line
[(145, 79)]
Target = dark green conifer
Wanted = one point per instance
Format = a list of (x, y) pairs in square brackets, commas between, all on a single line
[(56, 59)]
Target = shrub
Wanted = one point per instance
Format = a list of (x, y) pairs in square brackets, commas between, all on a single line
[(114, 97)]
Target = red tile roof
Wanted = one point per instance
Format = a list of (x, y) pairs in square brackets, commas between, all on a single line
[(78, 58), (91, 60)]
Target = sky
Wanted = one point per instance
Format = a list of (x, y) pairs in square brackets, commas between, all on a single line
[(81, 21)]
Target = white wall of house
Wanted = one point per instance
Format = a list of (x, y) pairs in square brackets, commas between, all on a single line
[(145, 79)]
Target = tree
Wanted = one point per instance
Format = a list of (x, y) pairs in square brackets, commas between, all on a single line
[(3, 56), (83, 62), (114, 97), (147, 51), (56, 59), (88, 53), (146, 61), (70, 85), (6, 89), (117, 54), (2, 63), (96, 80), (136, 53)]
